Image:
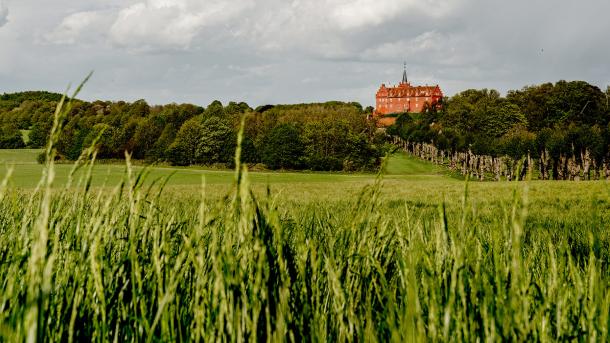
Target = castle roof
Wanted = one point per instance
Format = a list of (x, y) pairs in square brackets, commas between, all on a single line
[(406, 90)]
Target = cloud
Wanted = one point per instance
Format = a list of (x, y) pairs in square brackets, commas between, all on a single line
[(349, 15), (155, 24), (327, 29), (77, 27), (3, 13), (442, 49), (340, 29), (277, 51)]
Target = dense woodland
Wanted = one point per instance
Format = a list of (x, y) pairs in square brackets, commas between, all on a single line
[(560, 130), (327, 136)]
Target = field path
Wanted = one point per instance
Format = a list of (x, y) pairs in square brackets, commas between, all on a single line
[(402, 164)]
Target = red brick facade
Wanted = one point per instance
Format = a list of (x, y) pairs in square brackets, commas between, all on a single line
[(404, 98)]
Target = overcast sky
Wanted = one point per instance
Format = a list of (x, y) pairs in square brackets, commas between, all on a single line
[(281, 51)]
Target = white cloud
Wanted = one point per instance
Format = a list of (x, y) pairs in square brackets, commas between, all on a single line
[(154, 24), (349, 14), (431, 47), (77, 26), (3, 13), (294, 28)]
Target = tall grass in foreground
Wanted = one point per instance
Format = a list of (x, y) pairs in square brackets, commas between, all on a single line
[(136, 264)]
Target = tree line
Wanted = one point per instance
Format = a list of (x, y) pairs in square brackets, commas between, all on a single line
[(322, 136), (560, 130)]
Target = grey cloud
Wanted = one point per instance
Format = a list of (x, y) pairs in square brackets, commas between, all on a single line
[(138, 25), (274, 51), (81, 27), (3, 13)]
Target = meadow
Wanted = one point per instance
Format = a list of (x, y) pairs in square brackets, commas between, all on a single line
[(108, 254)]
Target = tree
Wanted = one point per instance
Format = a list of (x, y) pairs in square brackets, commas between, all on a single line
[(183, 150), (214, 109), (10, 137), (282, 148), (236, 109), (249, 154), (534, 102), (39, 134), (106, 144), (499, 118), (326, 144), (517, 142), (146, 135), (216, 143), (362, 154), (188, 134), (562, 103)]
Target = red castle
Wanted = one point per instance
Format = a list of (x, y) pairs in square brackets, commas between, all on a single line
[(404, 98)]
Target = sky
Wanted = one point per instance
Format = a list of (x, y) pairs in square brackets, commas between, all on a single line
[(283, 51)]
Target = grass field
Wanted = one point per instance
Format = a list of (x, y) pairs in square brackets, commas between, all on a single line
[(28, 173), (415, 256)]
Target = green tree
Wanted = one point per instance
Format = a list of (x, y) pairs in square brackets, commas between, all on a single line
[(282, 148), (10, 137), (106, 144), (517, 142), (39, 134), (216, 143), (362, 154), (146, 135), (183, 150), (214, 109), (562, 103), (326, 144)]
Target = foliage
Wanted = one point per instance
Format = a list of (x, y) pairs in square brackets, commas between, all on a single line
[(517, 142), (184, 149), (10, 137), (282, 148), (39, 134), (564, 119), (326, 144), (166, 133)]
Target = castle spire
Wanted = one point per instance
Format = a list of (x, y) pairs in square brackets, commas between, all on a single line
[(404, 74)]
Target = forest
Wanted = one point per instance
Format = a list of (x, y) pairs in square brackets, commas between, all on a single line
[(328, 136), (561, 129)]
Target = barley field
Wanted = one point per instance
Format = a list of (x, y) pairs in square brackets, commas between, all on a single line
[(411, 254)]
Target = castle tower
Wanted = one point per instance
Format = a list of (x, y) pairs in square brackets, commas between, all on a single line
[(404, 98)]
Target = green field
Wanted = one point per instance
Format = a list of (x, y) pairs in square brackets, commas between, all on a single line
[(416, 256), (27, 173)]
